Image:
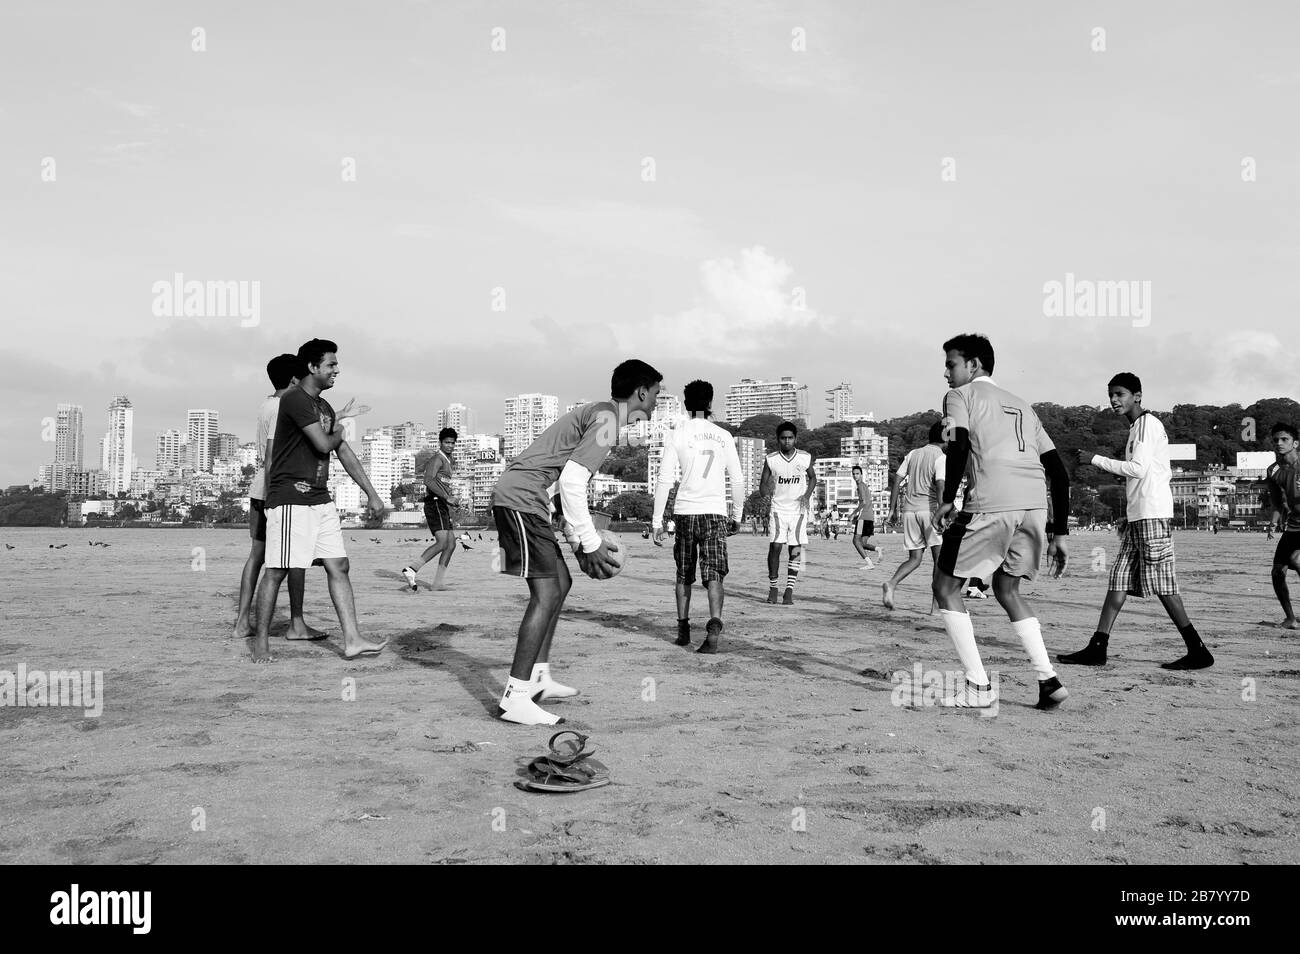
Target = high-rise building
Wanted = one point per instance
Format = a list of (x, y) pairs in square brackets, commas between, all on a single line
[(753, 453), (865, 445), (408, 436), (343, 489), (471, 448), (483, 479), (225, 445), (526, 416), (121, 418), (87, 483), (839, 402), (377, 458), (458, 417), (69, 444), (786, 398), (170, 454), (202, 429)]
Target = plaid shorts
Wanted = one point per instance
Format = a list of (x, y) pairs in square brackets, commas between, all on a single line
[(1145, 565), (701, 538)]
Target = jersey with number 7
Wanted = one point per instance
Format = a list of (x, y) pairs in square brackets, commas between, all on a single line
[(1006, 440), (706, 455)]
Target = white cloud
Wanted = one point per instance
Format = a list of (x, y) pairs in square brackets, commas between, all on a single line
[(605, 224)]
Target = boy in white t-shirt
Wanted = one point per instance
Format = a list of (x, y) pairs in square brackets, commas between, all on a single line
[(707, 456), (1145, 563)]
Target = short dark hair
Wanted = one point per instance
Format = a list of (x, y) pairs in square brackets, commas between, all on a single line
[(786, 426), (447, 432), (697, 396), (631, 375), (972, 346), (858, 468), (1282, 427), (936, 433), (1126, 380), (283, 368), (314, 351)]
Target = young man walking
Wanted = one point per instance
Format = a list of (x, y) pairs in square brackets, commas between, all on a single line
[(1145, 563), (707, 456), (863, 519), (1283, 478), (563, 458), (788, 481), (437, 511), (920, 487)]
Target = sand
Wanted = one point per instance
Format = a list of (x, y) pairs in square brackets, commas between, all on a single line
[(775, 750)]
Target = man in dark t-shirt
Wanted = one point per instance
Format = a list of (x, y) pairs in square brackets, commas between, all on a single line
[(302, 524), (1283, 479)]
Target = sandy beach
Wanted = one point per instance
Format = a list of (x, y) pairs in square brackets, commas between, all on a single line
[(779, 749)]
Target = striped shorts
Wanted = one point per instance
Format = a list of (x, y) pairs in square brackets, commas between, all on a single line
[(1145, 564), (701, 539)]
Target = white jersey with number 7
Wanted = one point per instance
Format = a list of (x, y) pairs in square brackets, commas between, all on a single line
[(706, 455)]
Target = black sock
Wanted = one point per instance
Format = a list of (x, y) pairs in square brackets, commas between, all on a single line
[(1191, 637), (1101, 638)]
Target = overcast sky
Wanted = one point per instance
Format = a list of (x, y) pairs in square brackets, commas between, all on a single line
[(779, 173)]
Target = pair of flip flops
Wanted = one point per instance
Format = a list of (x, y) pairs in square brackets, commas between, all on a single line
[(566, 767)]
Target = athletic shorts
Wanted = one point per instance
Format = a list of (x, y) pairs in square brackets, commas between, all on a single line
[(1145, 564), (526, 545), (865, 528), (437, 514), (257, 519), (701, 539), (1287, 545), (297, 534), (789, 527), (918, 530), (978, 543)]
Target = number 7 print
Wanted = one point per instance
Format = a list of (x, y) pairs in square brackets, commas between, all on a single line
[(1019, 415)]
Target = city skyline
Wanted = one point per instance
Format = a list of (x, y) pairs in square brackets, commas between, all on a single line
[(851, 199)]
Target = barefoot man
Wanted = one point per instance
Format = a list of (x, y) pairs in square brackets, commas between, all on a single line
[(1284, 492), (284, 372), (302, 523)]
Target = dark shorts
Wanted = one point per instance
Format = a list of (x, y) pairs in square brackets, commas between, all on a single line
[(437, 514), (526, 545), (866, 528), (1287, 545), (257, 519), (701, 540)]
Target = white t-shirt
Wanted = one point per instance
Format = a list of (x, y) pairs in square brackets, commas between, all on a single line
[(790, 480), (707, 456), (923, 468), (1146, 467), (266, 416)]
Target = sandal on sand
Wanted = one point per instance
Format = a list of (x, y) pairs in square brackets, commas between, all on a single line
[(567, 767)]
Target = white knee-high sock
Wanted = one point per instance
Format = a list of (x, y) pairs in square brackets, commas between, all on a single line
[(962, 634), (1031, 637)]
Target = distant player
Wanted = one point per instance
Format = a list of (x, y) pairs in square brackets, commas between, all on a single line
[(788, 481), (284, 372), (437, 511), (1145, 563), (563, 457), (996, 439), (707, 457), (863, 519), (920, 487), (302, 523), (1283, 479)]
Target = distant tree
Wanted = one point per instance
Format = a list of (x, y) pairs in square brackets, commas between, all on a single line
[(248, 470), (129, 512), (627, 463), (200, 512), (756, 505), (632, 506)]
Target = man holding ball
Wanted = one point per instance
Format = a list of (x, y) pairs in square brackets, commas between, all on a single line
[(562, 460)]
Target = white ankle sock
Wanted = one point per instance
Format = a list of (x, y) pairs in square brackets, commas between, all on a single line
[(1031, 637), (962, 634)]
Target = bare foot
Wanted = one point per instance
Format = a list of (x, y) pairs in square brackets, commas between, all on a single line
[(304, 632), (243, 630), (887, 595), (262, 650), (361, 647), (1289, 624)]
